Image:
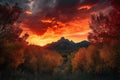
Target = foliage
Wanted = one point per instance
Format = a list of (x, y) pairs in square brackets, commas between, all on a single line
[(41, 60), (11, 54), (87, 60), (11, 45), (106, 28), (9, 14), (97, 61), (106, 32)]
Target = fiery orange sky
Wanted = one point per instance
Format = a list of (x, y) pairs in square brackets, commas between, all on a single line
[(48, 23), (73, 30)]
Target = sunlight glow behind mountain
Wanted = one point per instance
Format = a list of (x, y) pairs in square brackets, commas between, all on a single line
[(49, 20), (74, 30)]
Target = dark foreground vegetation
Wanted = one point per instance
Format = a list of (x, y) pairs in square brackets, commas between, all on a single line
[(98, 61)]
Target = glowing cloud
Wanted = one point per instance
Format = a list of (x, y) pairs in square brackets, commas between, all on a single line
[(28, 12), (53, 19)]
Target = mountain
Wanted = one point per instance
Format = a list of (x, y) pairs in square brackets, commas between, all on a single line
[(66, 46)]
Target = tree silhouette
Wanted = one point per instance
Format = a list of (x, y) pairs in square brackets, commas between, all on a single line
[(105, 28), (9, 14), (11, 45), (9, 22)]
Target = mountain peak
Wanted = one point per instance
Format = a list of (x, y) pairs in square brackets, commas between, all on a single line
[(64, 40), (65, 45)]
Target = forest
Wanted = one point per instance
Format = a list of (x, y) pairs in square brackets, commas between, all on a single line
[(98, 61)]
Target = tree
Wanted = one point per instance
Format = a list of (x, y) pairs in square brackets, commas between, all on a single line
[(106, 31), (39, 61), (105, 28), (9, 14), (111, 58), (79, 61), (11, 45), (10, 24), (87, 60)]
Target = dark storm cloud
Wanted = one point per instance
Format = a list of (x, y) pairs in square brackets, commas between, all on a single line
[(62, 11), (69, 8), (67, 4), (21, 3), (90, 2), (57, 10)]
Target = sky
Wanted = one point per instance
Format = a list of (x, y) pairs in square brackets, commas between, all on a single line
[(47, 21)]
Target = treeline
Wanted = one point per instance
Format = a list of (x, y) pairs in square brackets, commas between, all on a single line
[(19, 61), (96, 60)]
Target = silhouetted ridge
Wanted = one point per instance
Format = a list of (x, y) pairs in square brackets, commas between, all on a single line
[(83, 44), (66, 46)]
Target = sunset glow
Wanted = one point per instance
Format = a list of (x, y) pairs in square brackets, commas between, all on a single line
[(47, 20), (49, 24), (28, 12), (84, 7), (74, 30)]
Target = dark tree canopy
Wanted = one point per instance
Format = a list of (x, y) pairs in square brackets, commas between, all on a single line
[(106, 28), (9, 14), (9, 24)]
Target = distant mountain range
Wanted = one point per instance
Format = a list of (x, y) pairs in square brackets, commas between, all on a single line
[(66, 46)]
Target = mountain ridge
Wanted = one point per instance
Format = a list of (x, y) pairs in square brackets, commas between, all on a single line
[(66, 46)]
